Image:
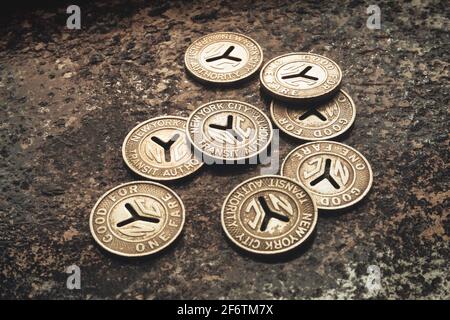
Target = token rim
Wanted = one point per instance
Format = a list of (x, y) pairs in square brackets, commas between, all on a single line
[(303, 98), (351, 122), (224, 160), (273, 252), (349, 204), (125, 159), (247, 75), (175, 237)]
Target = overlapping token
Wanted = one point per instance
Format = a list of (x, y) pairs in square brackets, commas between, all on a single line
[(315, 121), (229, 131), (158, 149)]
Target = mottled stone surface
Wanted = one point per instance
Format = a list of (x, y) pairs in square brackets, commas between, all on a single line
[(68, 98)]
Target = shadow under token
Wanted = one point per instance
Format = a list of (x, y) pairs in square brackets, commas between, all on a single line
[(173, 182), (297, 141), (141, 259), (226, 86), (267, 98), (329, 214), (278, 257), (230, 169)]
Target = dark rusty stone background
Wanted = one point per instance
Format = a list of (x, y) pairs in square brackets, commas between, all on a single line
[(69, 97)]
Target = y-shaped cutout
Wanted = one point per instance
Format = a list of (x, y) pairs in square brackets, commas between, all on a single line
[(225, 55), (326, 175), (269, 214), (135, 217), (228, 127), (312, 112), (301, 74), (166, 145)]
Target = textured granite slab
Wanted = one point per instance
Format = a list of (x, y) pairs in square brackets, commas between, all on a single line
[(69, 97)]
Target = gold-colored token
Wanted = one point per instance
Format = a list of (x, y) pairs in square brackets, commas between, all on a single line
[(137, 219), (315, 122), (158, 149), (223, 57), (336, 175), (269, 215), (229, 131), (301, 77)]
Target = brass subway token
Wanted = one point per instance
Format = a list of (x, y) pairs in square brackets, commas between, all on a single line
[(269, 215), (223, 57), (137, 219), (301, 77), (158, 149), (319, 121), (336, 175), (229, 131)]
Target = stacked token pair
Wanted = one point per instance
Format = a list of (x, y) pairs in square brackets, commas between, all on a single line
[(309, 105)]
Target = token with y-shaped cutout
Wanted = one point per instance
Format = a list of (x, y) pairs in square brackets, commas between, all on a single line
[(301, 77), (158, 149), (223, 57), (269, 215), (137, 219), (315, 121), (336, 175), (229, 131)]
